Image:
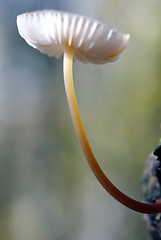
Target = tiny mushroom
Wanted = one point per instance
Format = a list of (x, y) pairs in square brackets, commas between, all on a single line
[(90, 41)]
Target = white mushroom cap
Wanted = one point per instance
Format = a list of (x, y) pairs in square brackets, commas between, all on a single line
[(49, 31)]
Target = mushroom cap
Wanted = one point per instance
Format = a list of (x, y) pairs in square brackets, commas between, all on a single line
[(50, 30)]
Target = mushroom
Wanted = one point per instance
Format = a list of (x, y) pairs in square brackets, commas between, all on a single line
[(89, 41)]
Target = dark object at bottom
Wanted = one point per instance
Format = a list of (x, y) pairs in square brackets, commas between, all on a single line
[(151, 193)]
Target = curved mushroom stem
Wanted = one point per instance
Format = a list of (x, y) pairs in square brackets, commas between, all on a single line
[(104, 181)]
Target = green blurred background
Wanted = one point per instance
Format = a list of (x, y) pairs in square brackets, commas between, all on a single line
[(47, 191)]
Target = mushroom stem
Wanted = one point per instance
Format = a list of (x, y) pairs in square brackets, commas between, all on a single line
[(79, 129)]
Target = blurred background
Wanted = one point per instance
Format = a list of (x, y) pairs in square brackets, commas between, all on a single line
[(47, 191)]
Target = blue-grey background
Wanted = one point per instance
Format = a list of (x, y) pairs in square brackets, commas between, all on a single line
[(47, 191)]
